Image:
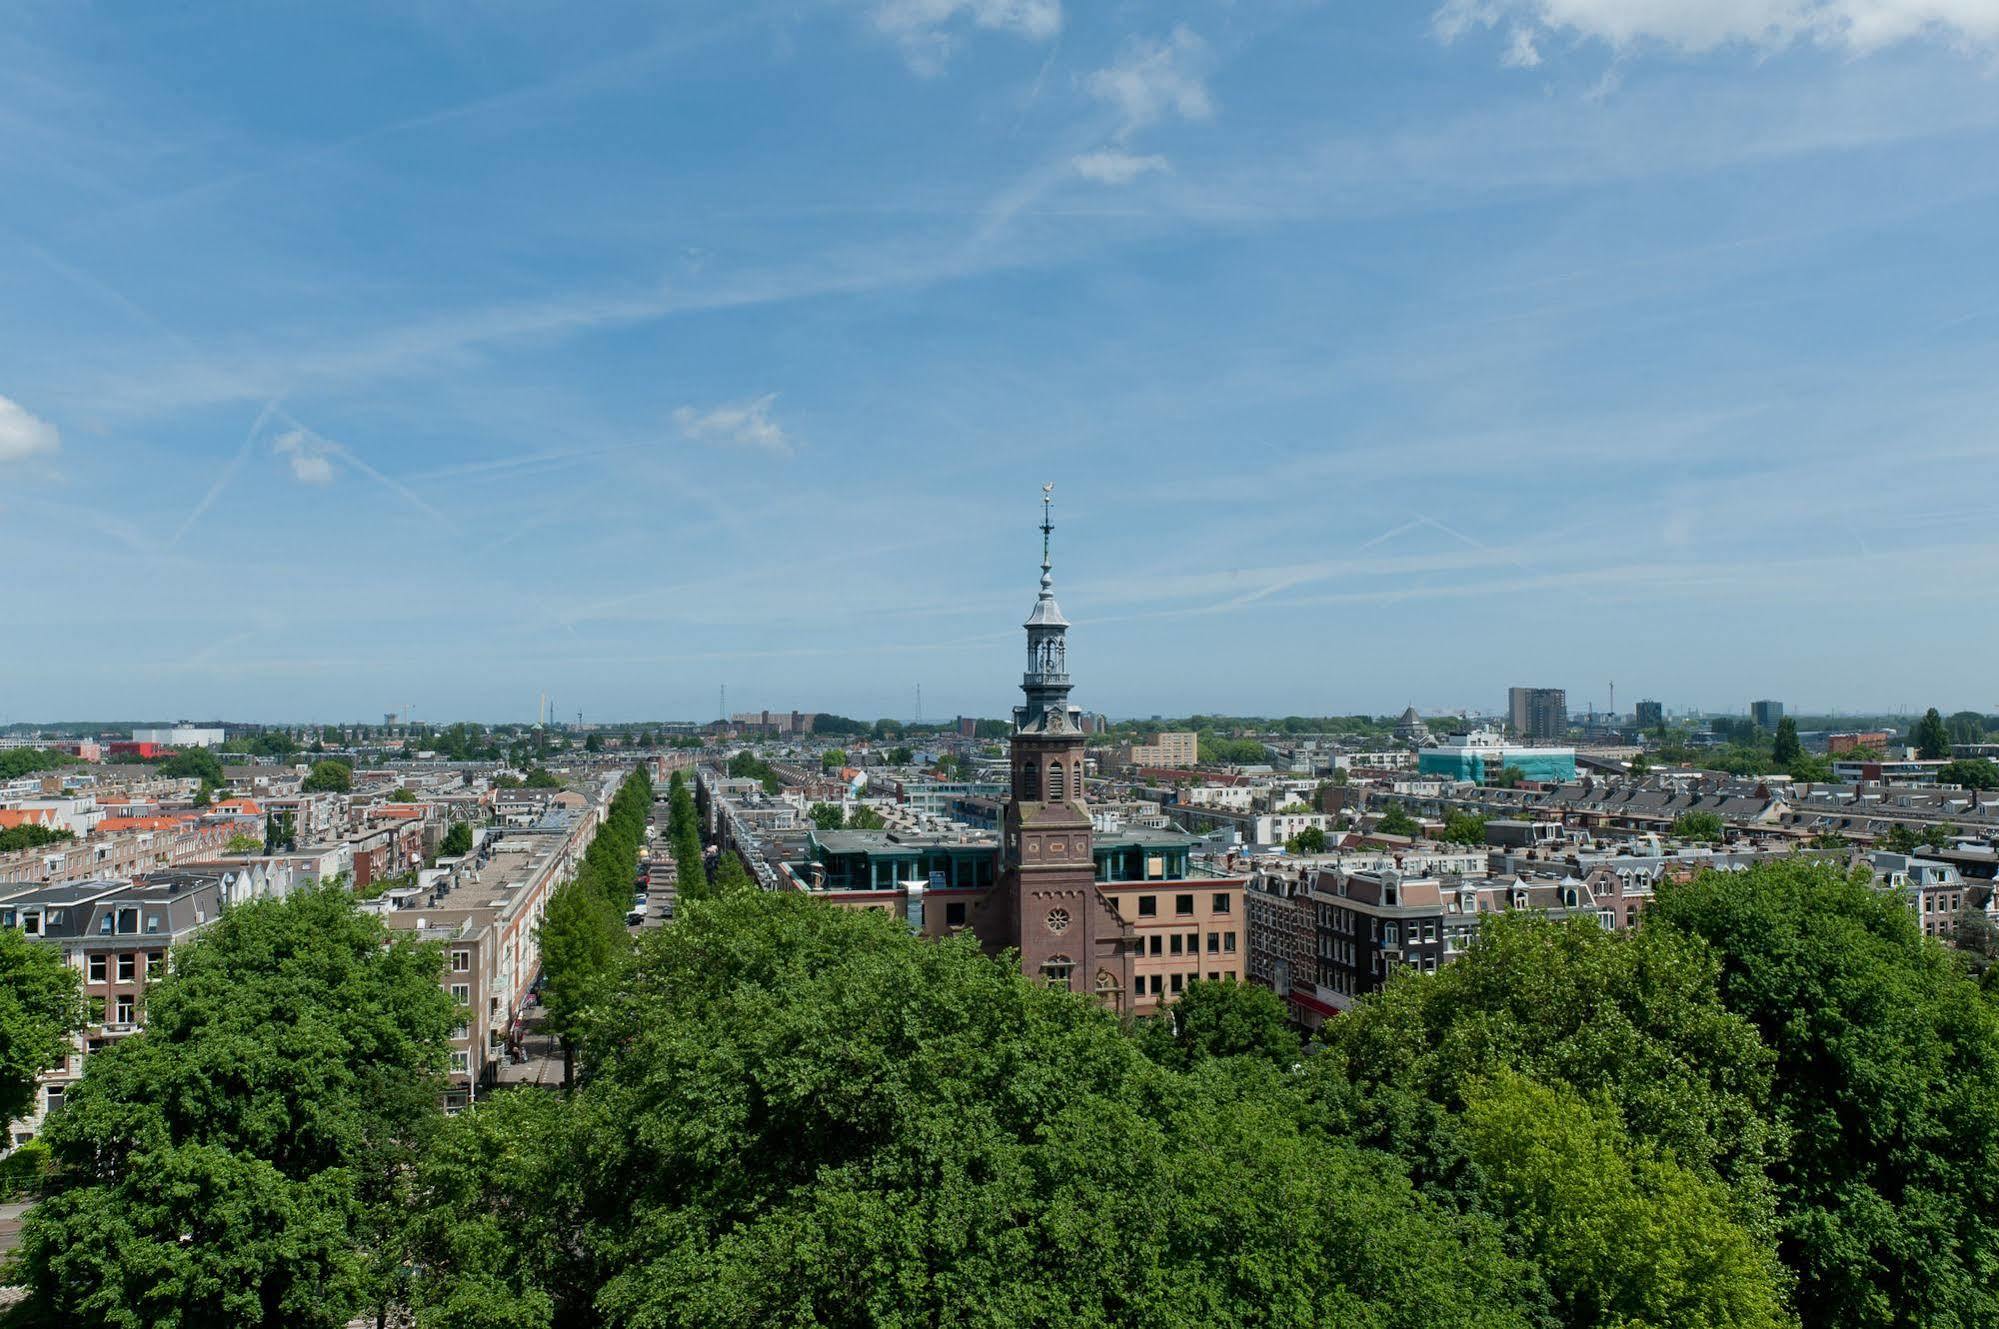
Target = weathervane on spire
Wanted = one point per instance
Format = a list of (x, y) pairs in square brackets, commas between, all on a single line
[(1047, 525)]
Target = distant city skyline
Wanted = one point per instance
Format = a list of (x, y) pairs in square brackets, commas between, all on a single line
[(1380, 355)]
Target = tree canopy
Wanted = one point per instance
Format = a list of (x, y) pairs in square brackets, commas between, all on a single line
[(245, 1160), (1395, 821), (17, 762), (41, 1006), (329, 777), (1930, 736)]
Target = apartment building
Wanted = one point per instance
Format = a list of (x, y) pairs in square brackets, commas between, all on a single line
[(117, 935), (486, 912)]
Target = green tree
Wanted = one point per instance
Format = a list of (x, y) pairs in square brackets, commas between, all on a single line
[(31, 835), (329, 777), (731, 877), (594, 743), (1311, 840), (1622, 1236), (41, 1007), (1886, 1080), (541, 778), (1704, 826), (1939, 836), (863, 818), (17, 762), (243, 844), (1811, 766), (1932, 740), (497, 1200), (1222, 1020), (803, 1115), (1972, 773), (832, 759), (280, 833), (1785, 747), (827, 817), (457, 840), (1394, 821), (584, 946), (1966, 727), (900, 756), (402, 795), (1467, 828), (246, 1160), (193, 764), (1901, 839)]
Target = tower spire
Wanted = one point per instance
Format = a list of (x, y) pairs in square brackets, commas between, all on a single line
[(1047, 525), (1046, 683)]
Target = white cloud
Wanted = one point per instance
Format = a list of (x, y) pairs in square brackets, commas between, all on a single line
[(1694, 26), (1521, 53), (923, 28), (740, 424), (1111, 166), (310, 457), (1156, 79), (23, 435)]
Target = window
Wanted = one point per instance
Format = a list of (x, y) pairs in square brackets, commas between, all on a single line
[(954, 914), (1155, 985), (1183, 906), (31, 923), (1193, 943), (461, 962), (128, 965), (97, 969), (1221, 902), (1058, 920), (156, 963), (1056, 970), (104, 924), (1155, 944), (461, 1063), (125, 1010), (1228, 943), (152, 922), (1058, 784), (1178, 983), (461, 992), (1148, 906), (1214, 943), (128, 920), (1176, 943)]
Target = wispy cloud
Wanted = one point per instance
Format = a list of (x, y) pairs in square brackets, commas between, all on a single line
[(1695, 26), (318, 453), (1148, 83), (1154, 80), (311, 461), (23, 435), (739, 424), (1114, 166), (927, 31)]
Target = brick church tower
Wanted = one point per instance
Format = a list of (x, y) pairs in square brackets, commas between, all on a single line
[(1065, 930)]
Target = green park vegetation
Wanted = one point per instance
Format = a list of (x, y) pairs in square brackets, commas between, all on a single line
[(17, 762), (28, 835), (1775, 1103)]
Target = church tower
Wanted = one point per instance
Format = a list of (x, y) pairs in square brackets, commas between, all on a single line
[(1065, 931)]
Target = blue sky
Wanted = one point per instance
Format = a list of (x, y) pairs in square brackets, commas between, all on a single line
[(442, 354)]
